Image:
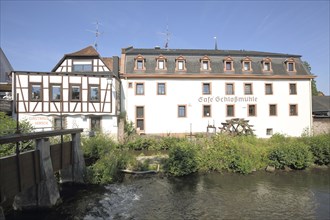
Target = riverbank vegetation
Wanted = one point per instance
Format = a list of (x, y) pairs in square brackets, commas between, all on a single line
[(240, 154)]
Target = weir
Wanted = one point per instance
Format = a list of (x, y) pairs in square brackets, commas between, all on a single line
[(28, 177)]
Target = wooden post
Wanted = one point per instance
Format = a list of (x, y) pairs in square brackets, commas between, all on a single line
[(76, 172), (46, 194)]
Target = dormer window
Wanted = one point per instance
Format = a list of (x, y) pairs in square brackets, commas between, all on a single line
[(247, 64), (267, 65), (290, 65), (180, 64), (229, 64), (139, 63), (161, 63), (205, 63), (82, 66)]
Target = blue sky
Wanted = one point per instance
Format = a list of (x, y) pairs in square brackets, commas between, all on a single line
[(36, 34)]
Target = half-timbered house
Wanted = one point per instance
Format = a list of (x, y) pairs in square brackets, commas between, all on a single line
[(81, 91)]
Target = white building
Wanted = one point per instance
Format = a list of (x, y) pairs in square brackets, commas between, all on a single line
[(180, 91), (81, 89)]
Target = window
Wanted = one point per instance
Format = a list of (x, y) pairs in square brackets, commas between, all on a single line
[(82, 65), (293, 110), (130, 85), (205, 63), (180, 65), (228, 62), (94, 93), (35, 92), (161, 90), (248, 89), (230, 111), (267, 64), (161, 62), (246, 64), (293, 89), (272, 110), (269, 89), (55, 92), (139, 89), (206, 111), (230, 89), (206, 88), (139, 63), (140, 117), (290, 65), (269, 131), (181, 111), (95, 123), (58, 123), (75, 92), (252, 110)]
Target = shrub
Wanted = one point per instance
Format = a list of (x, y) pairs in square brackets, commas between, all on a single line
[(107, 168), (95, 147), (182, 159), (293, 153), (320, 147), (143, 143)]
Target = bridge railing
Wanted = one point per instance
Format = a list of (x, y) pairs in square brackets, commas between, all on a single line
[(25, 170)]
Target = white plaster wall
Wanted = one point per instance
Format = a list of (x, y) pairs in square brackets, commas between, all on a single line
[(161, 110)]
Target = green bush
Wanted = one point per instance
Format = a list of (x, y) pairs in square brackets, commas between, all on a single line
[(107, 168), (95, 147), (182, 159), (143, 143), (320, 147), (293, 153)]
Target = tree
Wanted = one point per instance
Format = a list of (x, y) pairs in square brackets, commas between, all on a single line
[(314, 91), (8, 126)]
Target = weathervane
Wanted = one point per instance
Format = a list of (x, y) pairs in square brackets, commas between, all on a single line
[(97, 33)]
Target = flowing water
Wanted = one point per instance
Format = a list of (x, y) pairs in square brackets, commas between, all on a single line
[(261, 195)]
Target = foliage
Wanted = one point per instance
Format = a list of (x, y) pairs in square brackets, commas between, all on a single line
[(104, 158), (292, 153), (242, 154), (107, 168), (320, 147), (182, 159), (8, 126), (97, 146), (314, 91)]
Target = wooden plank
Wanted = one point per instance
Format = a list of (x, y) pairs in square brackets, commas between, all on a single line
[(67, 154), (55, 153), (9, 179), (37, 135), (28, 171)]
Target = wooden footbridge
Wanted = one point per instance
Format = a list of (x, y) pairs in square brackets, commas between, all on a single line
[(28, 178)]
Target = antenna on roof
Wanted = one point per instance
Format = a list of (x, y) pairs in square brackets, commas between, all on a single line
[(215, 43), (97, 33), (167, 34)]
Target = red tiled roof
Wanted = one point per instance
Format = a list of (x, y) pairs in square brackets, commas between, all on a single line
[(88, 51)]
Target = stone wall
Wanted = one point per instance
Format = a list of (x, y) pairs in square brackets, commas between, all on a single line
[(321, 126)]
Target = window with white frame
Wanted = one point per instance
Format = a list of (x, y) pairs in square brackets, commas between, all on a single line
[(180, 64)]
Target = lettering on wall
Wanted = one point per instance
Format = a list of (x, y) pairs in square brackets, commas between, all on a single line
[(227, 99)]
